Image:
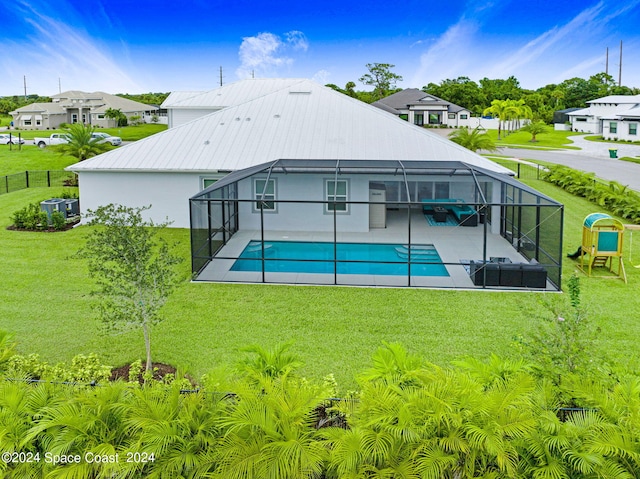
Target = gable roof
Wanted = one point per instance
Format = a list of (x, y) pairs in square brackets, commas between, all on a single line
[(98, 102), (177, 96), (402, 100), (48, 108), (619, 99), (302, 121)]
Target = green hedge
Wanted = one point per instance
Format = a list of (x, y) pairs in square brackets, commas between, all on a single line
[(612, 196)]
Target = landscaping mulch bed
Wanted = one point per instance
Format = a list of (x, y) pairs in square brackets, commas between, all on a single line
[(50, 229), (160, 370)]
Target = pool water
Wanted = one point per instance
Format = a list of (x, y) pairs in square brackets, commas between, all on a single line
[(353, 258)]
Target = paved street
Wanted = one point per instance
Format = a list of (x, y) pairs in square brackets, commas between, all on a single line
[(593, 156)]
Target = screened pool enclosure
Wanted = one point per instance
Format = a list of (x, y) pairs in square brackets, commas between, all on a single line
[(376, 223)]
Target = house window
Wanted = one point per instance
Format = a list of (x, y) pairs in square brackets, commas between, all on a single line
[(633, 128), (74, 118), (27, 122), (581, 119), (207, 182), (265, 194), (100, 116), (418, 119), (337, 192), (613, 127), (452, 116), (404, 117), (463, 116)]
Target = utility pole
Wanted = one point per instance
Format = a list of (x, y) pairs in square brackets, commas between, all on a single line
[(59, 86), (220, 75), (24, 80), (620, 70), (606, 65)]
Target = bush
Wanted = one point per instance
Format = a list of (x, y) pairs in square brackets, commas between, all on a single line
[(31, 218), (58, 220)]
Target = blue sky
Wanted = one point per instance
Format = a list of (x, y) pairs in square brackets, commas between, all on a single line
[(139, 46)]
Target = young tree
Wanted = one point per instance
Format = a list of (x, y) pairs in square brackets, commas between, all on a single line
[(473, 140), (81, 144), (381, 78), (535, 128), (133, 267)]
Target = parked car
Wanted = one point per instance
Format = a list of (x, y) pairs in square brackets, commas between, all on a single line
[(106, 138), (10, 140), (54, 139)]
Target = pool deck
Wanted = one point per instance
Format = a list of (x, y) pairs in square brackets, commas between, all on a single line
[(455, 244)]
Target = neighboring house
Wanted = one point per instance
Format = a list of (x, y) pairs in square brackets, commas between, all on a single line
[(615, 117), (421, 108), (303, 160), (185, 106), (561, 119), (77, 107)]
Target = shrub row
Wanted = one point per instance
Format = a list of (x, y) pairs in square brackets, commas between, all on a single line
[(612, 196), (409, 419)]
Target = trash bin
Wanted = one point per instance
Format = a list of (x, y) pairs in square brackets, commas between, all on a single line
[(613, 153)]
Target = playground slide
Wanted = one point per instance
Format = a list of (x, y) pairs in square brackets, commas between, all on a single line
[(576, 254)]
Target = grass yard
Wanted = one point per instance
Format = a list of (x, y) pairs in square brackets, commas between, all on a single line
[(127, 133), (45, 301), (550, 140), (30, 157)]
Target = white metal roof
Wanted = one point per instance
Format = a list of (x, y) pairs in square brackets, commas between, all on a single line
[(177, 96), (303, 121), (235, 93), (619, 99)]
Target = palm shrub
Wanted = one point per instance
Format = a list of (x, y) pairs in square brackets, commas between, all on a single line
[(270, 433), (89, 421), (176, 434), (612, 195), (442, 423), (473, 140), (81, 144)]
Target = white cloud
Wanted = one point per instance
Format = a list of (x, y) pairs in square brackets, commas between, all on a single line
[(57, 51), (556, 37), (322, 77), (266, 53), (451, 54)]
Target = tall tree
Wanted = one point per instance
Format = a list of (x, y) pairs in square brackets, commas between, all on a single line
[(462, 91), (133, 267), (501, 89), (502, 110), (381, 78)]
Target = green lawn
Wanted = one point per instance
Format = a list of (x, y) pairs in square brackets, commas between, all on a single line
[(30, 157), (551, 139), (45, 301), (127, 133)]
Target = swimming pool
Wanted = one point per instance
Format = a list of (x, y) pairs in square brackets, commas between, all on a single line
[(353, 258)]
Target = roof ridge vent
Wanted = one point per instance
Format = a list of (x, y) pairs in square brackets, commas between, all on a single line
[(300, 92)]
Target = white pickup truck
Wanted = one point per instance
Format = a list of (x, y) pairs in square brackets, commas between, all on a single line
[(54, 139)]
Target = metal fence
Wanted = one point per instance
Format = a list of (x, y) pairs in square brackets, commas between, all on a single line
[(36, 179), (529, 171)]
